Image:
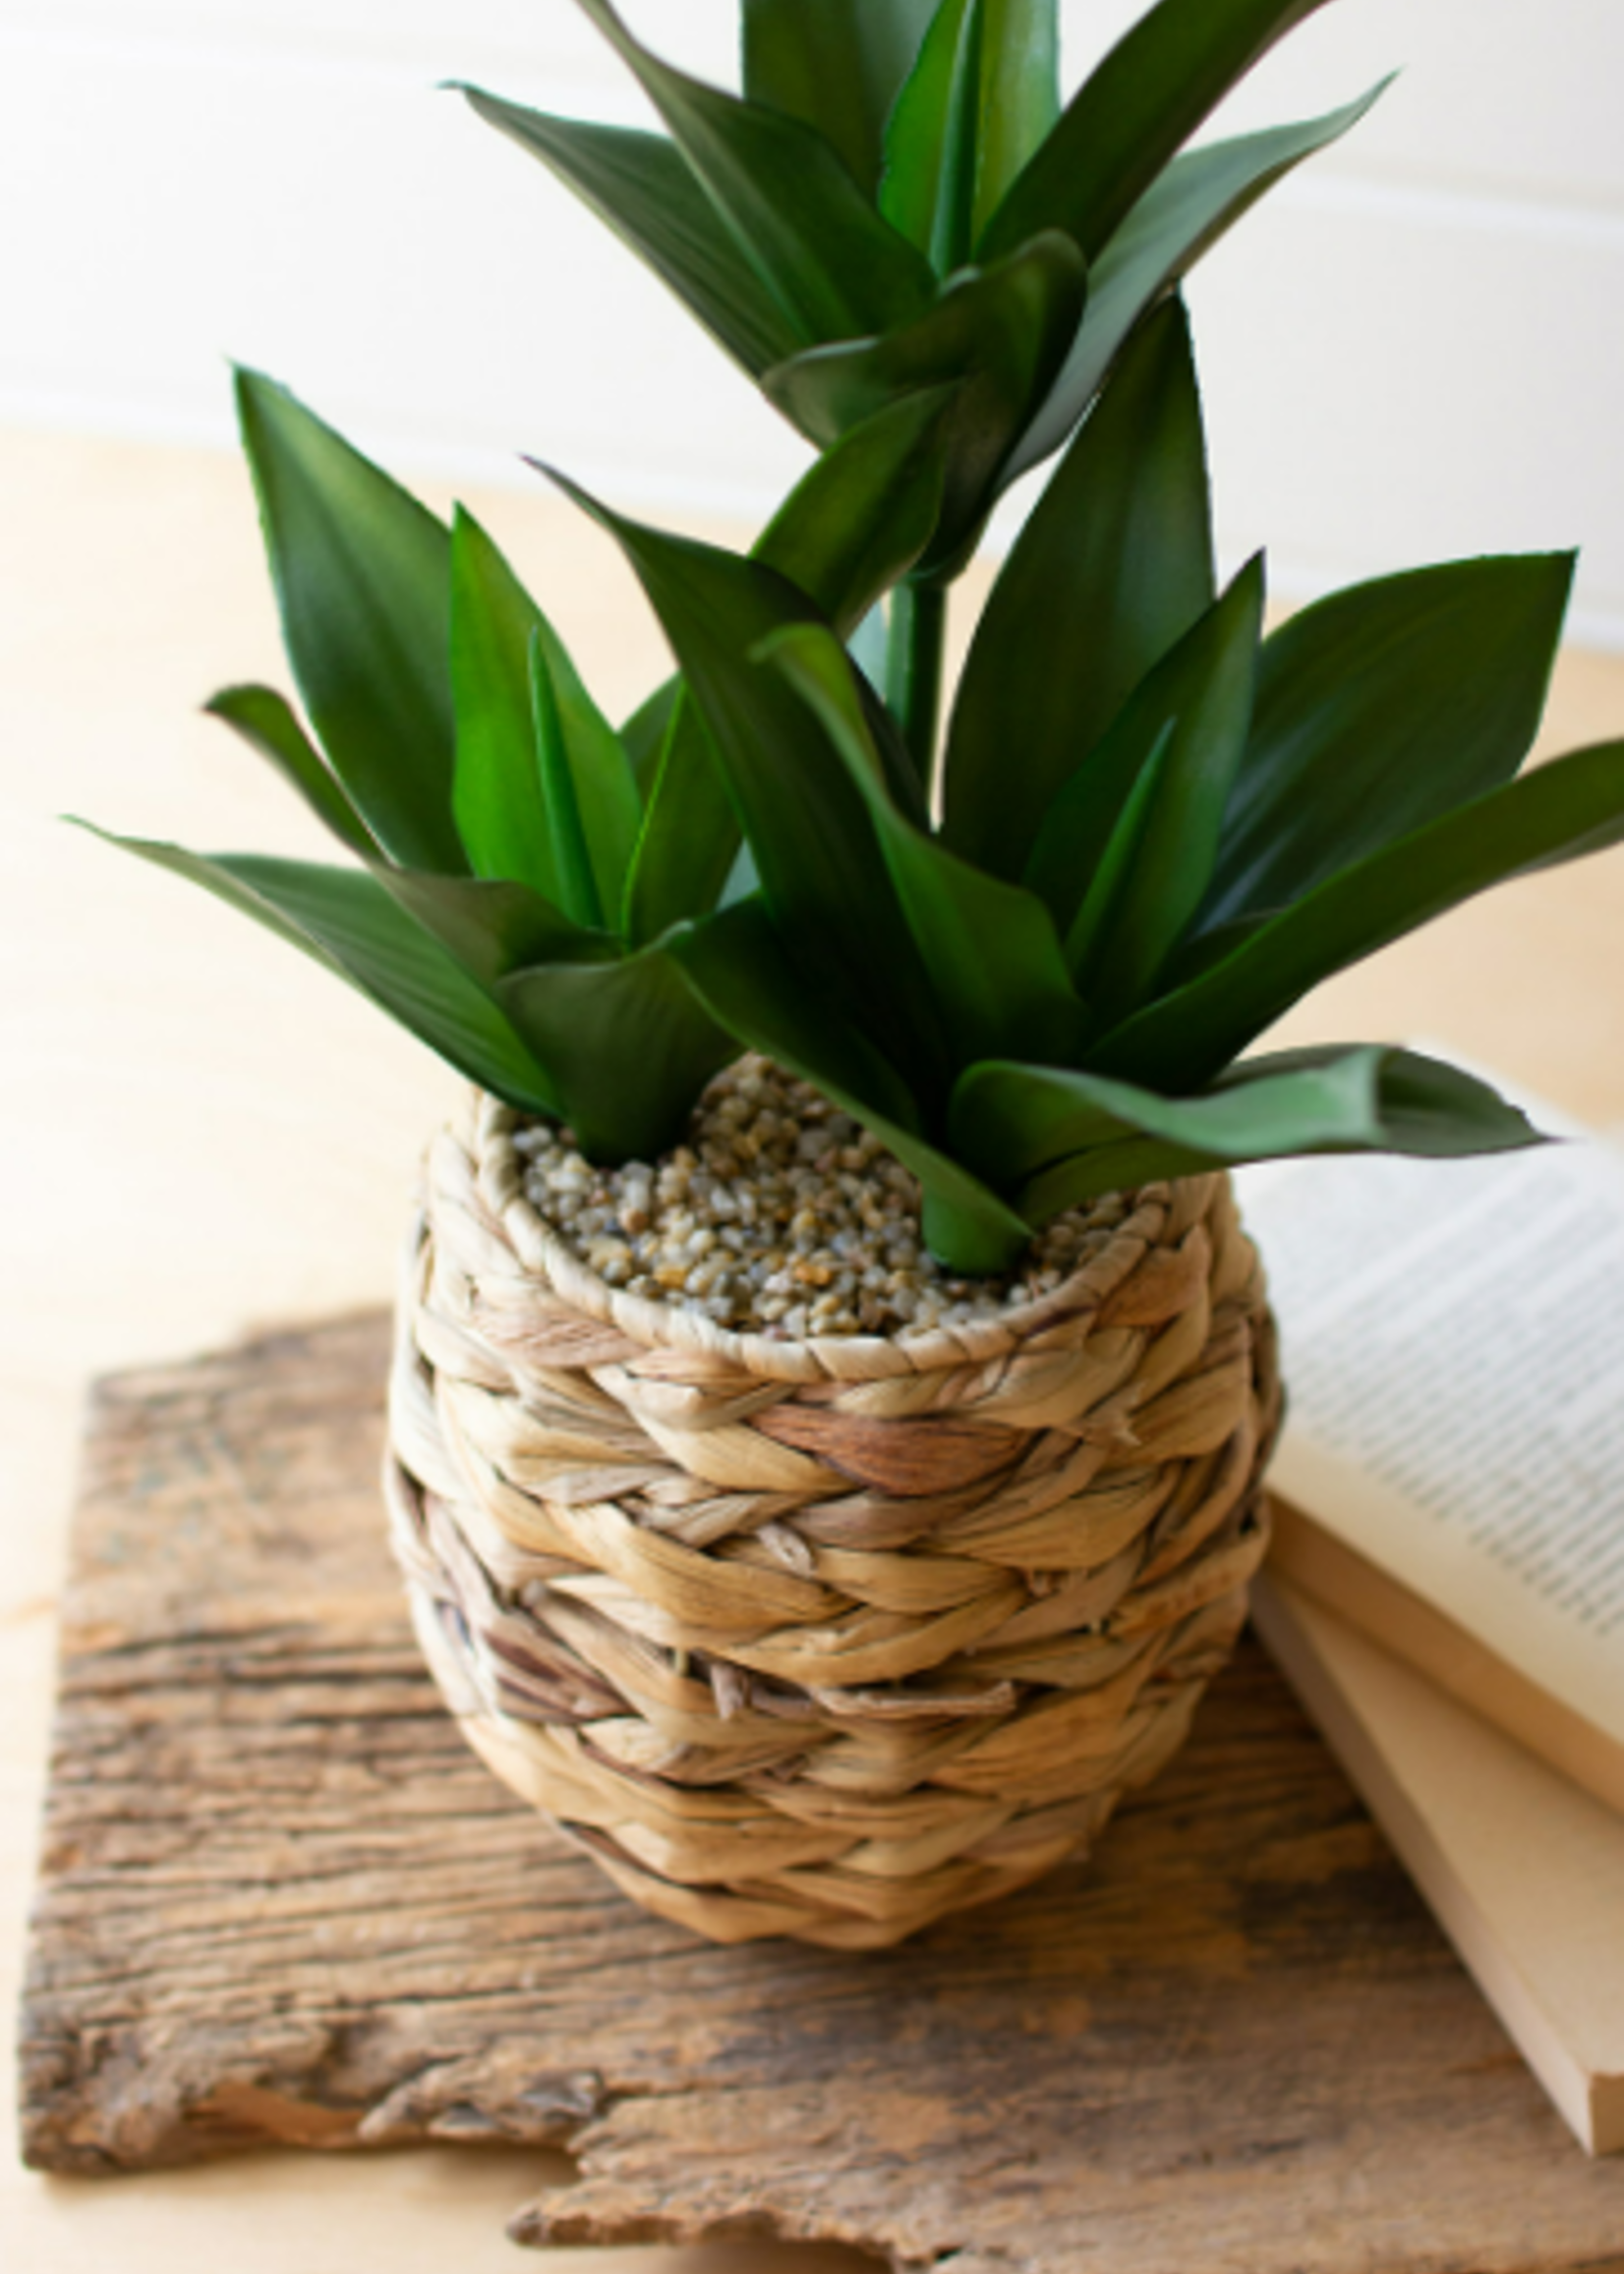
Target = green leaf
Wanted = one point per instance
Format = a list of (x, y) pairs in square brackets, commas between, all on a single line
[(348, 923), (1114, 566), (981, 98), (932, 137), (265, 720), (587, 782), (493, 928), (1132, 114), (1339, 1099), (836, 65), (854, 523), (543, 791), (496, 787), (820, 866), (1184, 212), (626, 1044), (1571, 806), (643, 187), (991, 949), (1020, 95), (1383, 708), (1157, 862), (998, 335), (831, 264), (738, 966), (362, 574)]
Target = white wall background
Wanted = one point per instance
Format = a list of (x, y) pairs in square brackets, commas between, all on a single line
[(1415, 349)]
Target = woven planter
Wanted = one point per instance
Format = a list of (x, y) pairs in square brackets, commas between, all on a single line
[(824, 1638)]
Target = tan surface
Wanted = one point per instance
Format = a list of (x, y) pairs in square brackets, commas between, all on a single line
[(201, 1132)]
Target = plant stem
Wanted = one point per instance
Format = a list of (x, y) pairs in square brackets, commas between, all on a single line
[(914, 670)]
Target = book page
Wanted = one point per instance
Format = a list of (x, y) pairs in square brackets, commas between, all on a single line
[(1525, 1873), (1453, 1350)]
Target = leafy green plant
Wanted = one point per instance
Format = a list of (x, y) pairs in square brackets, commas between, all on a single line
[(1029, 944)]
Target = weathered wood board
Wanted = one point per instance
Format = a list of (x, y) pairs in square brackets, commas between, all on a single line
[(280, 1902)]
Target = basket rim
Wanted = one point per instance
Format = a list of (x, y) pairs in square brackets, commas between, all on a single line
[(487, 1128)]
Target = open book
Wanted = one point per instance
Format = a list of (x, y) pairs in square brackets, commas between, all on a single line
[(1453, 1463)]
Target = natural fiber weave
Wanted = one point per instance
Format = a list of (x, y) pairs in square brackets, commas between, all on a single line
[(824, 1638)]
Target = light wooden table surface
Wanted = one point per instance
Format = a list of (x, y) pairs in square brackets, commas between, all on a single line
[(204, 1133)]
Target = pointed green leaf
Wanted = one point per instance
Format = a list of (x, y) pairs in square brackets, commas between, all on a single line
[(600, 771), (928, 186), (1119, 549), (991, 949), (854, 523), (982, 96), (1184, 212), (833, 266), (543, 791), (737, 965), (1132, 114), (362, 573), (643, 187), (348, 923), (820, 866), (1020, 95), (1571, 806), (626, 1044), (1383, 708), (1341, 1099), (998, 334), (491, 928), (836, 65), (267, 722), (497, 788), (1157, 863)]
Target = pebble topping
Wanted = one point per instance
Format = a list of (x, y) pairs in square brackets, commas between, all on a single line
[(781, 1216)]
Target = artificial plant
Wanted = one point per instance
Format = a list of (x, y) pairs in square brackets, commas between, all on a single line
[(1028, 943)]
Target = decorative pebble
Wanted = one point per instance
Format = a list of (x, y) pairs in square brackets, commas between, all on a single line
[(781, 1216)]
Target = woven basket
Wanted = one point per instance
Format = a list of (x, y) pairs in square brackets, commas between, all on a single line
[(824, 1638)]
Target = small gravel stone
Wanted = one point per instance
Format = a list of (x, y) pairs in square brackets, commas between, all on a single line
[(781, 1216)]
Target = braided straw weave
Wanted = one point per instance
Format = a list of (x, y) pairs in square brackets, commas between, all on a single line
[(824, 1638)]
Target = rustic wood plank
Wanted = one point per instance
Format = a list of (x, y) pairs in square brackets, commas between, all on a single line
[(281, 1902)]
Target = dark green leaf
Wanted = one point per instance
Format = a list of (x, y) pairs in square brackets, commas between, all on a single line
[(998, 335), (1574, 805), (1185, 212), (362, 576), (493, 928), (832, 265), (928, 188), (644, 189), (267, 722), (854, 523), (836, 65), (1114, 565), (991, 949), (626, 1044), (1020, 95), (1339, 1099), (820, 866), (1132, 114), (1157, 863), (738, 966), (1380, 709), (348, 923)]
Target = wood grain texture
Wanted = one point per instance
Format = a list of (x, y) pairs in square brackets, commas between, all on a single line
[(280, 1902)]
